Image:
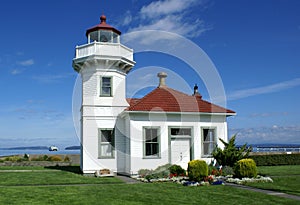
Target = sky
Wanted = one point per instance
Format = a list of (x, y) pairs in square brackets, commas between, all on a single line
[(254, 47)]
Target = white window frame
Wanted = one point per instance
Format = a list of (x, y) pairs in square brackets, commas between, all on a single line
[(102, 94), (110, 145), (153, 156), (210, 143)]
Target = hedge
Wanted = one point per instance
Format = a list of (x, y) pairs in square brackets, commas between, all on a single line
[(276, 159)]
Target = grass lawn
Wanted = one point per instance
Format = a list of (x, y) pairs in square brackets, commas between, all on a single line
[(49, 176), (67, 186), (285, 179)]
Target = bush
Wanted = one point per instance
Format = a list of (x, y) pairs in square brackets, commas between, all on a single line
[(176, 170), (230, 154), (227, 170), (67, 159), (214, 170), (162, 171), (276, 159), (54, 158), (13, 159), (197, 170), (144, 172), (26, 157), (159, 172), (245, 168), (40, 158)]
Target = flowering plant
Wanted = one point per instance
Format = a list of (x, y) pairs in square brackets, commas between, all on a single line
[(209, 179)]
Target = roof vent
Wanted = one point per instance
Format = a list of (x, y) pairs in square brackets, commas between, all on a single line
[(162, 79)]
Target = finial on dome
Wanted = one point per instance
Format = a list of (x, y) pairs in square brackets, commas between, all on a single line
[(103, 18)]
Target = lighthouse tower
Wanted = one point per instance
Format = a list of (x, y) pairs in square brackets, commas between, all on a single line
[(103, 64)]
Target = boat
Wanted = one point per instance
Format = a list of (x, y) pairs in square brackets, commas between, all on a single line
[(53, 148)]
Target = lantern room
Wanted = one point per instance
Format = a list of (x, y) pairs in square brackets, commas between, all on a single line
[(103, 33)]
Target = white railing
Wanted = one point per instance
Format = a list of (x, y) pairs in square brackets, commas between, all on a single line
[(104, 49)]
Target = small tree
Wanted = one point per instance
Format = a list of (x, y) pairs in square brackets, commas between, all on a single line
[(230, 154)]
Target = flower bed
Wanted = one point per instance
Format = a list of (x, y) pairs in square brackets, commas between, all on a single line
[(210, 180), (258, 179)]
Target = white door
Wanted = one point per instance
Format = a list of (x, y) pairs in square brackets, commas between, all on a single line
[(180, 152)]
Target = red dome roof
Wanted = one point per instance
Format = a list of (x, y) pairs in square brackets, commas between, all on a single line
[(103, 26)]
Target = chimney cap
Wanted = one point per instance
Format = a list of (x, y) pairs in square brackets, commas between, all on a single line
[(162, 79)]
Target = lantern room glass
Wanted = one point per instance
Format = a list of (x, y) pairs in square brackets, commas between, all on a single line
[(103, 36)]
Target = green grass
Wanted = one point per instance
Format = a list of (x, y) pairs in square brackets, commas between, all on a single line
[(64, 185), (285, 179), (279, 170), (49, 176), (166, 193), (22, 168)]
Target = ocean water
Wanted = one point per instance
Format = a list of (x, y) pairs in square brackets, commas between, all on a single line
[(43, 152)]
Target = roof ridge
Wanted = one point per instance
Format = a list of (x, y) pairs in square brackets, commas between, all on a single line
[(169, 100)]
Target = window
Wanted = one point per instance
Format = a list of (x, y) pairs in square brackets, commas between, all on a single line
[(181, 131), (209, 141), (106, 143), (151, 142), (106, 86), (116, 38), (93, 36)]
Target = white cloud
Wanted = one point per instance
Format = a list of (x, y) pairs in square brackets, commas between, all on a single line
[(165, 7), (28, 62), (264, 90), (269, 114), (169, 15), (267, 135), (128, 18), (16, 71), (52, 78)]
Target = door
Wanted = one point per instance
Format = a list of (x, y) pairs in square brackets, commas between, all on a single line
[(180, 152)]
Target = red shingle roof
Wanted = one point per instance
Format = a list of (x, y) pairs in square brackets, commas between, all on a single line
[(169, 100)]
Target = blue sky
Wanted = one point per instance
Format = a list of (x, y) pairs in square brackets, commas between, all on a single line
[(254, 45)]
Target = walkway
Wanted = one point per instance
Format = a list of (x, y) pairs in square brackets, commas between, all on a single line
[(128, 180), (274, 193)]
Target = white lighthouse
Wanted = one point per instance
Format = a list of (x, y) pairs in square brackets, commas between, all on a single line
[(103, 64)]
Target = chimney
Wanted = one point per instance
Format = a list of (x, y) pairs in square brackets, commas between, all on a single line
[(196, 92), (162, 79), (195, 89)]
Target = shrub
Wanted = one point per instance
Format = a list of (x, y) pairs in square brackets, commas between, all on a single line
[(230, 154), (276, 159), (214, 170), (176, 170), (162, 171), (227, 170), (245, 168), (144, 172), (45, 158), (54, 158), (40, 158), (13, 159), (26, 157), (67, 159), (197, 170)]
